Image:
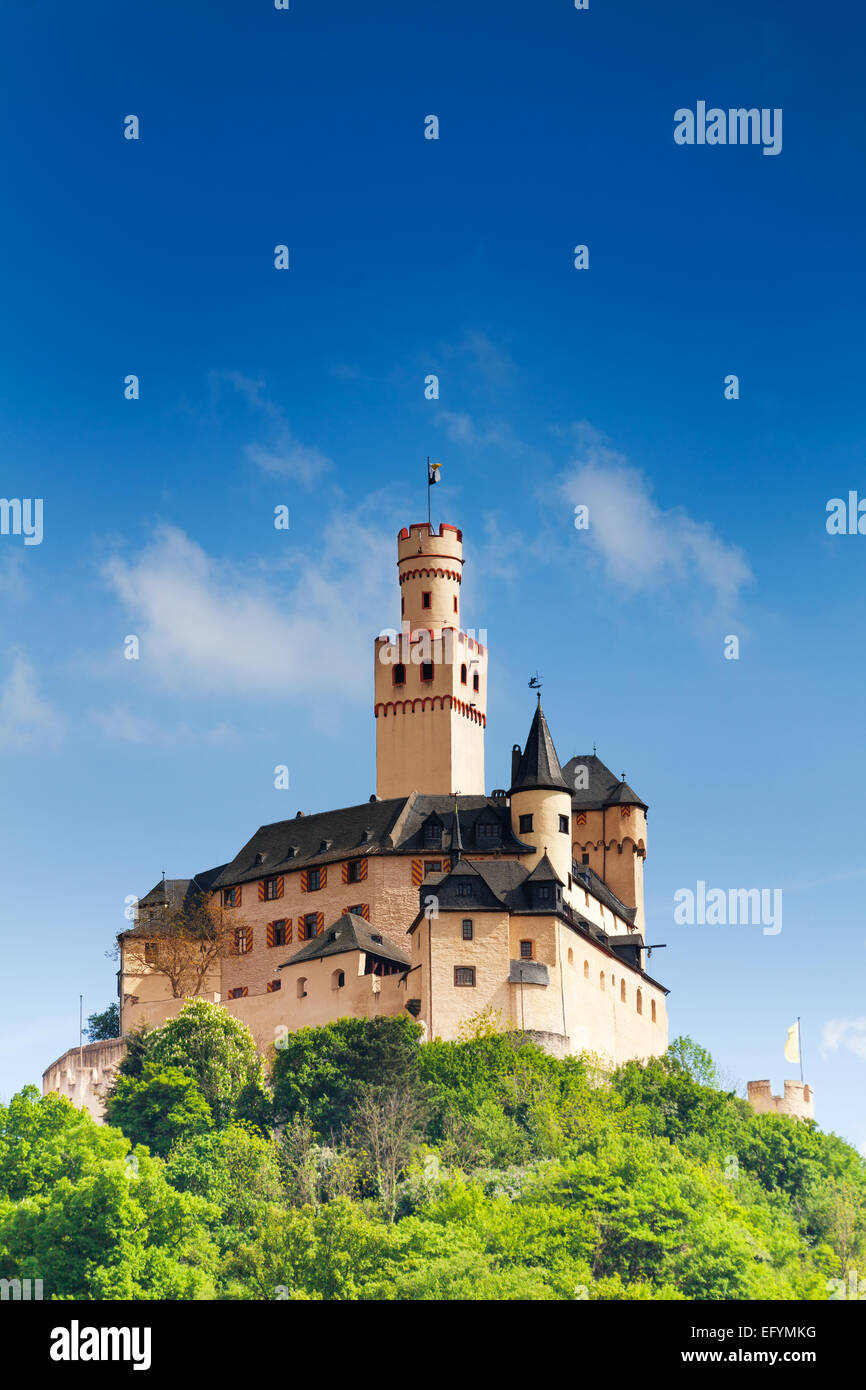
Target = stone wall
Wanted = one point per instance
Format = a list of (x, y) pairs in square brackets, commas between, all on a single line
[(83, 1074)]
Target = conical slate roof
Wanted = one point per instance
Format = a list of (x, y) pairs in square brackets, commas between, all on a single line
[(544, 872), (539, 766)]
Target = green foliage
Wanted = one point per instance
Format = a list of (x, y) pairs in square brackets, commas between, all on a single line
[(480, 1169), (103, 1026), (320, 1073), (158, 1108), (215, 1049)]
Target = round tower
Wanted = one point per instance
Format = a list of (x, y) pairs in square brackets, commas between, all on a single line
[(431, 682), (541, 799)]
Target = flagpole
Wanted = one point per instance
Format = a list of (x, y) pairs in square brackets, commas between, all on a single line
[(800, 1047), (429, 519)]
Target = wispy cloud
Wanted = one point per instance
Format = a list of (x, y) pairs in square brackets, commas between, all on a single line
[(848, 1034), (26, 716), (641, 544), (119, 724), (207, 624), (281, 453)]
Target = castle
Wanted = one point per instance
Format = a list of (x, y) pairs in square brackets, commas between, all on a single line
[(434, 898)]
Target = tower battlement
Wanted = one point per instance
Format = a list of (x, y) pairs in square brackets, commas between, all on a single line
[(797, 1101)]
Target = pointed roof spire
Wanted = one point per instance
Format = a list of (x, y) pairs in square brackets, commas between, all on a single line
[(539, 766), (456, 837)]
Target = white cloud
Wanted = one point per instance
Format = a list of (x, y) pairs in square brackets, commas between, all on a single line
[(282, 453), (26, 717), (121, 725), (847, 1033), (641, 544), (207, 624)]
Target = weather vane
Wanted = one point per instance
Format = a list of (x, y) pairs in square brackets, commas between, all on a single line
[(535, 683)]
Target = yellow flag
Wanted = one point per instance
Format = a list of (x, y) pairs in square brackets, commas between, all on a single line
[(792, 1043)]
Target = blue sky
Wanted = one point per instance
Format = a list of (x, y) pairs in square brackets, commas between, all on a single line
[(306, 388)]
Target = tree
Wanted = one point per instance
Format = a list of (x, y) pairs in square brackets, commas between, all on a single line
[(158, 1108), (182, 941), (319, 1073), (217, 1050), (103, 1026), (387, 1127)]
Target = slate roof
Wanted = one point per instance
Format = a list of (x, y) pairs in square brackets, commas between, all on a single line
[(544, 872), (528, 972), (395, 826), (604, 788), (348, 933), (175, 891), (539, 766)]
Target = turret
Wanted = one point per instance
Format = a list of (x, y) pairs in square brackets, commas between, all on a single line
[(541, 799), (431, 682)]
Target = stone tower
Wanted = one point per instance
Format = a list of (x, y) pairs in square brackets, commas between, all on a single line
[(431, 682)]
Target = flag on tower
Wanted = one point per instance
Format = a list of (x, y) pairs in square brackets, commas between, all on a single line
[(792, 1043), (432, 473)]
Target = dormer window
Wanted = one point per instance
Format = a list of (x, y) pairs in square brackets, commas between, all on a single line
[(464, 887), (544, 892), (433, 833), (488, 832)]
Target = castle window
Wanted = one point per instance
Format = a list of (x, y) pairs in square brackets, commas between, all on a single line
[(433, 832), (149, 952), (468, 929), (338, 979), (273, 986), (526, 950), (570, 956), (239, 993), (360, 910), (601, 980), (474, 682), (526, 824), (314, 880), (310, 925), (277, 933), (399, 674), (563, 824), (584, 859), (639, 1002), (464, 976), (543, 892), (432, 866), (653, 1010), (231, 897), (488, 832), (425, 599), (455, 603), (353, 871), (464, 887), (463, 674), (272, 889), (426, 670), (302, 987), (586, 969), (242, 941), (622, 990)]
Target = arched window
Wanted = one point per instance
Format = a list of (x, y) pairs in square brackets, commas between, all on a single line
[(463, 674), (338, 979), (586, 969), (639, 1002), (400, 674), (474, 682), (302, 987), (653, 1010), (570, 956), (622, 990), (601, 980)]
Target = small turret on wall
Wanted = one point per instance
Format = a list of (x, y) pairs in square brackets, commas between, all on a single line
[(798, 1100)]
